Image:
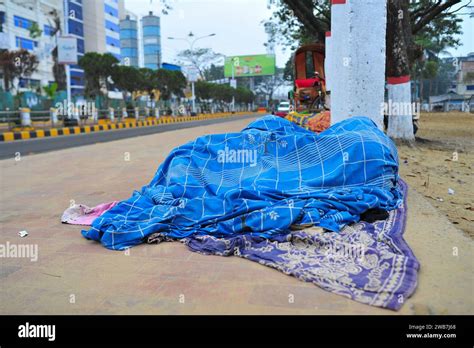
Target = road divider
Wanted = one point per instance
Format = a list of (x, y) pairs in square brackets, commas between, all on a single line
[(107, 125)]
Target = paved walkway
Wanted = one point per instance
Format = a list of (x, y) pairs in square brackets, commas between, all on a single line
[(73, 275)]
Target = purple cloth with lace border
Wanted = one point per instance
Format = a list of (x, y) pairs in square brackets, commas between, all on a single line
[(367, 262)]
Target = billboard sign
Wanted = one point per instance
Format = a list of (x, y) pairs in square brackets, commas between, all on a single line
[(247, 66), (67, 50)]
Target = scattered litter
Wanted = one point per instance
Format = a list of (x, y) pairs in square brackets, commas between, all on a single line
[(412, 175), (450, 191), (52, 275), (405, 161), (22, 234), (440, 199), (427, 182)]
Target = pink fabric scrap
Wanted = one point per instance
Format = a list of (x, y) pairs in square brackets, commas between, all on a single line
[(80, 214)]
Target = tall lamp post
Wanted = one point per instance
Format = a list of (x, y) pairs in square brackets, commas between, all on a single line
[(189, 39), (67, 68)]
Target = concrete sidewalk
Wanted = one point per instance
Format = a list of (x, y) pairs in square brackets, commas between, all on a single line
[(76, 276)]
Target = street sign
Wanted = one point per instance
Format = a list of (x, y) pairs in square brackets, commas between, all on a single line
[(188, 94), (233, 83), (67, 50), (192, 73)]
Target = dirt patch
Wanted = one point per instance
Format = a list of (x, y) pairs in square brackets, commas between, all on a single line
[(441, 164)]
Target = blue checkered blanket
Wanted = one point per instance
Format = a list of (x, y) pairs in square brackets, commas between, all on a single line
[(261, 181)]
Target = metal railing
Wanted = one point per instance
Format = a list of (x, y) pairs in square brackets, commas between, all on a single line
[(12, 119)]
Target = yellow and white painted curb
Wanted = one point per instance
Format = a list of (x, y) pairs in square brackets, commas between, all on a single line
[(106, 125)]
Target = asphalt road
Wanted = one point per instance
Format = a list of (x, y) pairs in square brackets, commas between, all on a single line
[(39, 145)]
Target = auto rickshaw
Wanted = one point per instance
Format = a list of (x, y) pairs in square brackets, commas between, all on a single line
[(309, 90)]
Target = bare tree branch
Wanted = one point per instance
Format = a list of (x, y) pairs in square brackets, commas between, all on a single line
[(435, 12), (457, 10), (304, 12), (422, 11)]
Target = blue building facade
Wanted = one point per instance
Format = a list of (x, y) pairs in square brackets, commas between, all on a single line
[(75, 22), (112, 27), (129, 42), (151, 41)]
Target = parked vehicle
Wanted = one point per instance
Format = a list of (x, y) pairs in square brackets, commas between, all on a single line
[(309, 90), (282, 109)]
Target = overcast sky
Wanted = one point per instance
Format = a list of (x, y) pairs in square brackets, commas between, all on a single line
[(467, 39), (236, 23)]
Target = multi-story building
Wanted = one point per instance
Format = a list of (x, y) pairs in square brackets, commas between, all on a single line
[(151, 41), (465, 75), (102, 26), (461, 94), (29, 25), (95, 24), (129, 48), (75, 27)]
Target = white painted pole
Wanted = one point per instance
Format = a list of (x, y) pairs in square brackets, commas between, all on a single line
[(328, 62), (68, 88), (76, 114), (25, 117), (193, 98), (400, 111), (95, 114), (358, 47), (53, 113), (232, 84), (340, 27), (367, 38)]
